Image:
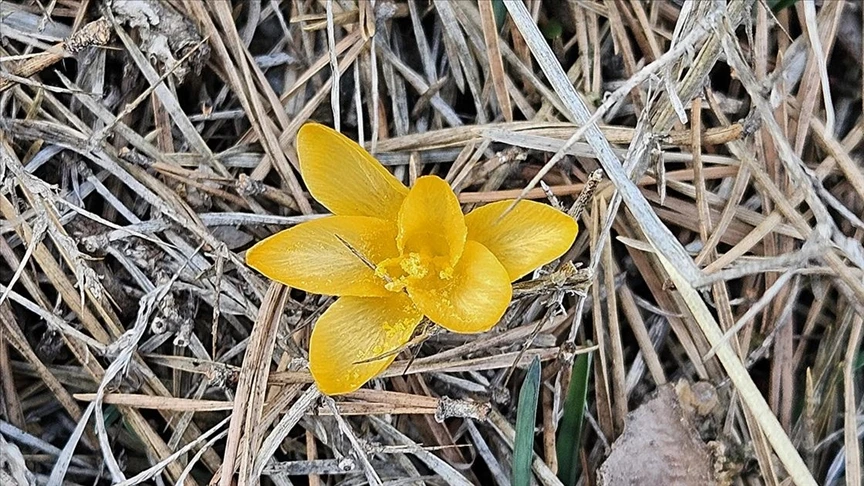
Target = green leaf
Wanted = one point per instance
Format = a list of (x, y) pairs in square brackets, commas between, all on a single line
[(570, 429), (553, 29), (778, 5), (500, 12), (526, 414)]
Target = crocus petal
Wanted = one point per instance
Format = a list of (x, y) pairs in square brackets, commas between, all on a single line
[(311, 256), (431, 223), (343, 177), (473, 299), (530, 235), (352, 333)]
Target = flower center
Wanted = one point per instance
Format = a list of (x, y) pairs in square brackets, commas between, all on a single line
[(423, 257)]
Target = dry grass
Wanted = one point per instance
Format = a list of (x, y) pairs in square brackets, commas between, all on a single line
[(144, 147)]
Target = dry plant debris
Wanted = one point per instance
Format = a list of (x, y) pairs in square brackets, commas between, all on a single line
[(146, 145), (659, 445)]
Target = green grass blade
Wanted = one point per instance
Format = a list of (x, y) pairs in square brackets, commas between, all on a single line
[(570, 430), (526, 413)]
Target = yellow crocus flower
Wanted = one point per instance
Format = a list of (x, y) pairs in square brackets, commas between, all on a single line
[(394, 254)]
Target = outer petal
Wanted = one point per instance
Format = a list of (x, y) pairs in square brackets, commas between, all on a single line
[(530, 235), (473, 299), (431, 221), (354, 331), (311, 257), (343, 177)]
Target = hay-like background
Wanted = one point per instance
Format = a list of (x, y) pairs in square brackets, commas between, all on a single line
[(144, 145)]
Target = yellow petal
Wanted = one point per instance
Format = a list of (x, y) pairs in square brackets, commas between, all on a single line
[(530, 235), (311, 257), (473, 299), (431, 223), (352, 333), (343, 177)]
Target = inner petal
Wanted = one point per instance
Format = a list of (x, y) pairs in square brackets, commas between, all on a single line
[(473, 299), (427, 243), (431, 222)]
